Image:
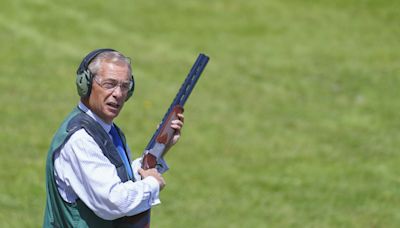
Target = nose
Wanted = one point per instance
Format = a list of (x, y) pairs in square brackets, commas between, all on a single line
[(117, 92)]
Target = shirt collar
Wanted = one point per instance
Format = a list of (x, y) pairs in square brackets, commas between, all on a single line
[(106, 127)]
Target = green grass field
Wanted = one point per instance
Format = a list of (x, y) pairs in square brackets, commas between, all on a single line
[(293, 123)]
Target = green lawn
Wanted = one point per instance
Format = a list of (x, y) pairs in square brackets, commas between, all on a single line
[(293, 123)]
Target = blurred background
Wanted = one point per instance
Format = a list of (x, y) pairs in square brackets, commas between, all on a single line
[(292, 124)]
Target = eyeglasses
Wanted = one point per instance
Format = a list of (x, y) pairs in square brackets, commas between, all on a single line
[(111, 84)]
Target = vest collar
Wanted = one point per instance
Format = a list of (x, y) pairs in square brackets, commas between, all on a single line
[(106, 127)]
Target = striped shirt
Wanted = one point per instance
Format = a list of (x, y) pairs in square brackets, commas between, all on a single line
[(82, 171)]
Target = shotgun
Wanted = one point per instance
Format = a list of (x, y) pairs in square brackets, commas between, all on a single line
[(155, 149)]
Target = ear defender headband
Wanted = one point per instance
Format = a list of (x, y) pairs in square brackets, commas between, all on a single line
[(84, 77)]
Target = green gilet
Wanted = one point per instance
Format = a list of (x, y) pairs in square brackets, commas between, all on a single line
[(59, 213)]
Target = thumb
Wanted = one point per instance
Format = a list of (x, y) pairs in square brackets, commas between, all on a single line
[(141, 171)]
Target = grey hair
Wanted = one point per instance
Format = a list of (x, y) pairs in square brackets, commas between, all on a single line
[(109, 57)]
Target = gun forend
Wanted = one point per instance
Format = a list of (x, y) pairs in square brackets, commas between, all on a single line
[(163, 139)]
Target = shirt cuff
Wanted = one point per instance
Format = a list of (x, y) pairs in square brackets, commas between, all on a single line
[(154, 190)]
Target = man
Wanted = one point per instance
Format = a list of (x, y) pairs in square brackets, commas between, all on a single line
[(90, 179)]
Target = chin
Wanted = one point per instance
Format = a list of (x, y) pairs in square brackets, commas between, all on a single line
[(110, 116)]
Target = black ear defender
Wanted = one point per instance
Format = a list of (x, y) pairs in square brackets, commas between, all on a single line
[(84, 77)]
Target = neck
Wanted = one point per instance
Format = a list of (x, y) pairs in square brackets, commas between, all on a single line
[(86, 102)]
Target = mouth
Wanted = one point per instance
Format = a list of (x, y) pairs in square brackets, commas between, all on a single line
[(113, 105)]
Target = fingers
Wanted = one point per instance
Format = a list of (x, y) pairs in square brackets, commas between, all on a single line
[(178, 123), (140, 171), (148, 172), (154, 173), (181, 117), (162, 183)]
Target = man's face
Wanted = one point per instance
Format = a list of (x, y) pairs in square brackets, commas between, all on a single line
[(107, 103)]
